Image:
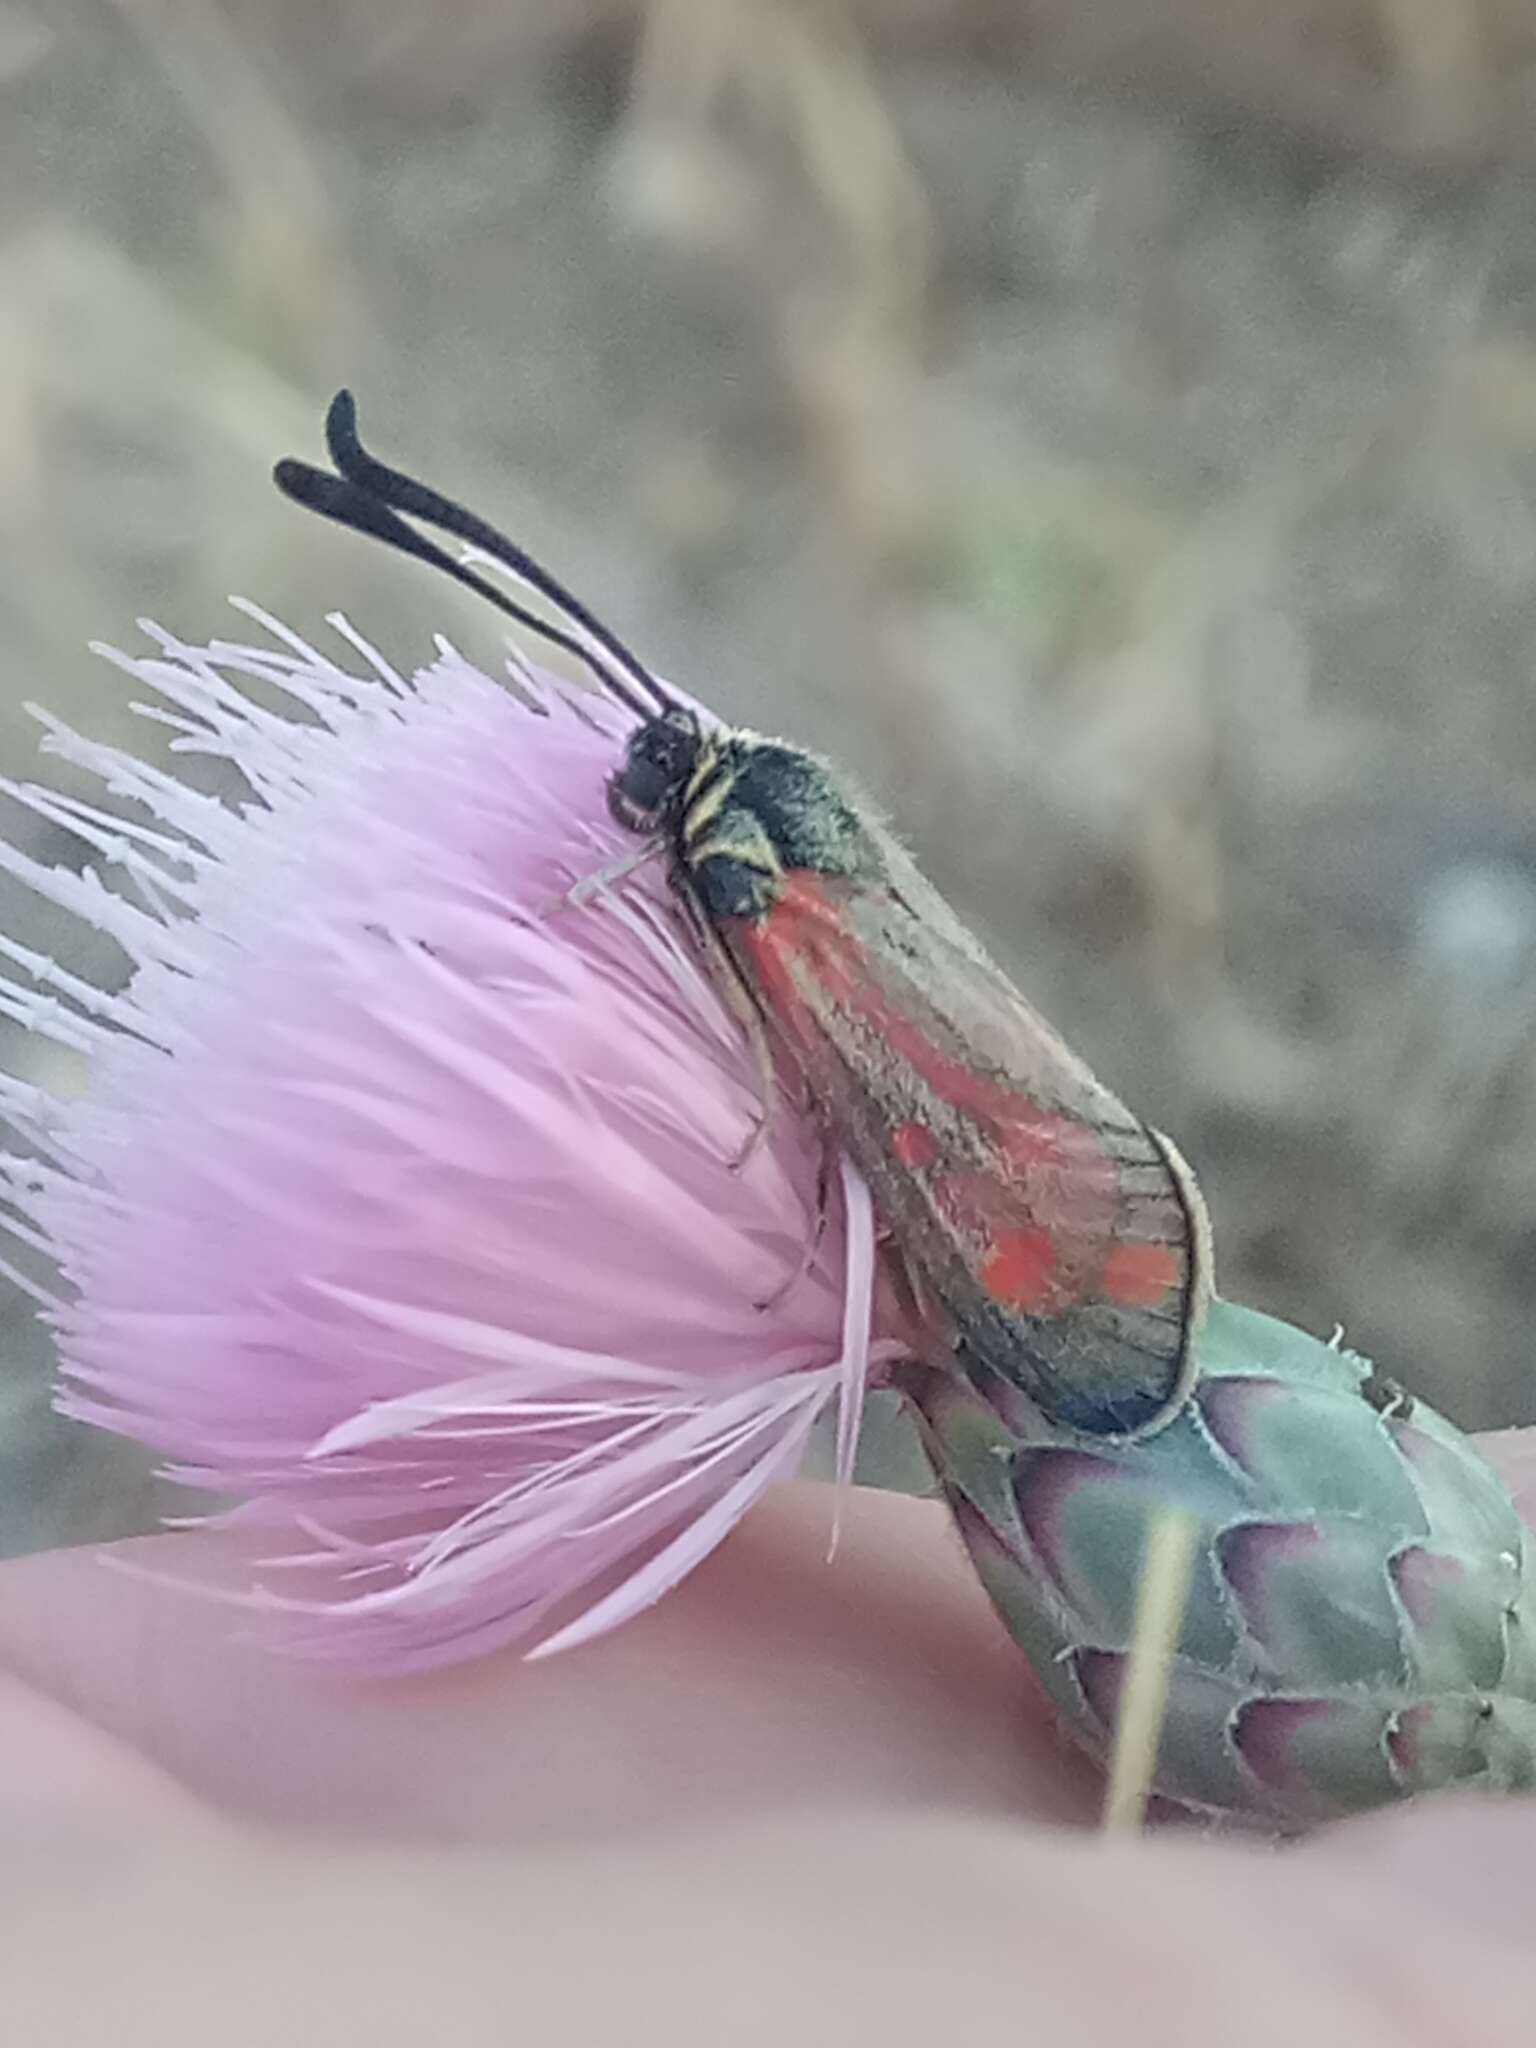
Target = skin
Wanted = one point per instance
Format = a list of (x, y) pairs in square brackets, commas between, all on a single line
[(792, 1804)]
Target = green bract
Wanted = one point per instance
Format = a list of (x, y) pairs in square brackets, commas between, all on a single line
[(1360, 1623)]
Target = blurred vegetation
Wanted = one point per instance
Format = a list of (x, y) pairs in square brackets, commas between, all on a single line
[(1109, 428)]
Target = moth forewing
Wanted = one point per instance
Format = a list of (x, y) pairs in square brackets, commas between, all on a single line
[(1062, 1243)]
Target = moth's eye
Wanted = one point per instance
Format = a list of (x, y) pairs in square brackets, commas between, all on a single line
[(656, 764), (636, 798)]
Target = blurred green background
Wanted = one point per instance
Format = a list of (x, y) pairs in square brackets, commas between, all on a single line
[(1109, 426)]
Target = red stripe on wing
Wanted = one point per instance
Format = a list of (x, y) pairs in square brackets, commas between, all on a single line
[(1038, 1230)]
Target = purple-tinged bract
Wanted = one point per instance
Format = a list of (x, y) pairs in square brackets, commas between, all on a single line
[(1361, 1617)]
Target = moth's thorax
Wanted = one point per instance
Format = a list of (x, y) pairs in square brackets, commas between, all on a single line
[(754, 808)]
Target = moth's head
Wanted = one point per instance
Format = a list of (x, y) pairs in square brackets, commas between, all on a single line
[(645, 790)]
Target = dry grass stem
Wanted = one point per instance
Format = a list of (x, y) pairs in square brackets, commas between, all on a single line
[(1160, 1604)]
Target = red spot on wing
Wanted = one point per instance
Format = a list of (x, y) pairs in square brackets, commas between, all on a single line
[(913, 1145), (1018, 1258), (1140, 1275), (1019, 1272)]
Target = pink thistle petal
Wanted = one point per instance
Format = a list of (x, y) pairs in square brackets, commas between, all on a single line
[(399, 1202)]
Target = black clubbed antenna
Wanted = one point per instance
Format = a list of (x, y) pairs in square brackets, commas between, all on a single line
[(369, 497), (334, 498)]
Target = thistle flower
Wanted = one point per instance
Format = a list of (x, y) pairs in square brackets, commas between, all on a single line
[(1361, 1620), (400, 1201)]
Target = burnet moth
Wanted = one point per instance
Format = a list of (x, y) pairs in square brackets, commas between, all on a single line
[(1052, 1240)]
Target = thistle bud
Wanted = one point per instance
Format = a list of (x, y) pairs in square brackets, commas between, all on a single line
[(1359, 1623)]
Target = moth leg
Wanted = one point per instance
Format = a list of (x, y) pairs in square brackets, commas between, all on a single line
[(767, 1079), (737, 995), (589, 885), (818, 1228), (922, 1320)]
